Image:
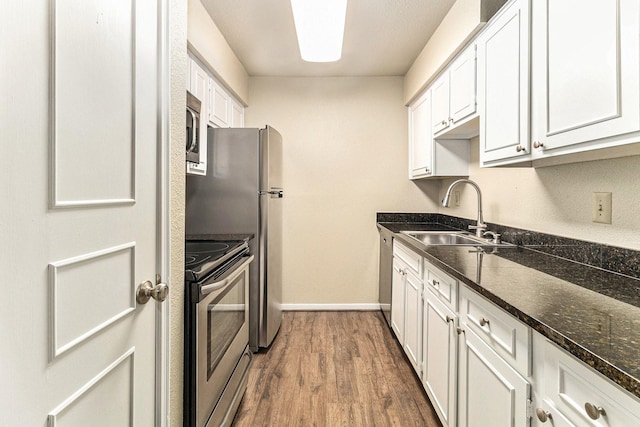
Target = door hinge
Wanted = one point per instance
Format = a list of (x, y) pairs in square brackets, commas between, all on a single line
[(530, 409)]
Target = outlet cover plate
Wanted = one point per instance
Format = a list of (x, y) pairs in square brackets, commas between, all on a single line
[(601, 211)]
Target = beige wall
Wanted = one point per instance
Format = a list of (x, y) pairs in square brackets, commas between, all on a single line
[(210, 46), (345, 158), (178, 35), (557, 199)]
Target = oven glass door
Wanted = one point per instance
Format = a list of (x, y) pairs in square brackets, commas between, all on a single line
[(225, 318), (222, 331)]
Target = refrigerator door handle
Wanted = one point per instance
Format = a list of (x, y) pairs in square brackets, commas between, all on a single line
[(275, 194)]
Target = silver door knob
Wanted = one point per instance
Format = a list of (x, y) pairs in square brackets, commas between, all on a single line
[(483, 322), (543, 415), (537, 144), (594, 411), (520, 148), (146, 290)]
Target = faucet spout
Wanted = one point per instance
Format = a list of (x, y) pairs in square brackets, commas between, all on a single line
[(480, 226)]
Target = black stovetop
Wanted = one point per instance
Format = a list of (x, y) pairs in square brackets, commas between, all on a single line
[(203, 257)]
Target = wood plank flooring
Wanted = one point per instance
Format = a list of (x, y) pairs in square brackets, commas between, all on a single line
[(334, 369)]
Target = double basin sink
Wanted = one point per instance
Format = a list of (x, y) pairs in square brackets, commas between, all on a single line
[(452, 238)]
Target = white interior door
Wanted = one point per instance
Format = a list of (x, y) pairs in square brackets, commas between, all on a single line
[(78, 178)]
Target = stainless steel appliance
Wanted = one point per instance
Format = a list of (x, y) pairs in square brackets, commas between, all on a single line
[(217, 355), (242, 193), (193, 128), (385, 272)]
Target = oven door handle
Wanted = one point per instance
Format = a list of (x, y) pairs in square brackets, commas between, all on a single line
[(207, 289)]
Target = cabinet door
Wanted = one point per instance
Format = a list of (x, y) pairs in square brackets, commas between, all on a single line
[(412, 321), (439, 357), (420, 138), (440, 103), (586, 72), (491, 393), (237, 115), (503, 85), (397, 300), (221, 105), (462, 85), (199, 87)]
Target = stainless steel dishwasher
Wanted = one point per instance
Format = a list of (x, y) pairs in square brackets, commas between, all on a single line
[(385, 272)]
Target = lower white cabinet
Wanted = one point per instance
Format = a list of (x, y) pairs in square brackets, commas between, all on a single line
[(490, 391), (412, 319), (575, 394), (397, 300), (439, 356)]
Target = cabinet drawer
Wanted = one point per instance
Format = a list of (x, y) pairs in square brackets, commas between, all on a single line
[(442, 285), (409, 257), (570, 386), (505, 334)]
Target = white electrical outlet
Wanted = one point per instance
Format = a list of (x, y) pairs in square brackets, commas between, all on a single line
[(602, 208)]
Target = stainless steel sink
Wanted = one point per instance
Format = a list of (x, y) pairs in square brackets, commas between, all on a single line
[(448, 238)]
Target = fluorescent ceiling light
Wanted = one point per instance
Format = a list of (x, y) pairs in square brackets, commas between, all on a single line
[(320, 28)]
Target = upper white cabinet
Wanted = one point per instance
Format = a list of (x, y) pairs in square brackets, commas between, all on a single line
[(237, 115), (503, 86), (198, 85), (586, 74), (219, 105), (428, 157), (454, 94)]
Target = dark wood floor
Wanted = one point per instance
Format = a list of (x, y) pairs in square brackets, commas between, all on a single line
[(334, 369)]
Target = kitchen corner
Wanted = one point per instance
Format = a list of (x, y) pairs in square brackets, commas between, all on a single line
[(592, 313)]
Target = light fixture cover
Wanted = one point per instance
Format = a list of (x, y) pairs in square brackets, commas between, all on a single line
[(320, 28)]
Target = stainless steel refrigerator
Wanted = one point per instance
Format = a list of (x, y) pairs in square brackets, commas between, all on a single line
[(242, 193)]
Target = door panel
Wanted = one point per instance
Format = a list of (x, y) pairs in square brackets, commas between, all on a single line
[(78, 217)]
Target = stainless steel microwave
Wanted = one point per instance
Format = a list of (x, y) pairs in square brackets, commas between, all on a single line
[(193, 128)]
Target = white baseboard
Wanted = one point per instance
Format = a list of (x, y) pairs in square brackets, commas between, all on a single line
[(331, 307)]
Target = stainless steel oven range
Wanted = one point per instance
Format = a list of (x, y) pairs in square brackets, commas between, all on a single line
[(217, 355)]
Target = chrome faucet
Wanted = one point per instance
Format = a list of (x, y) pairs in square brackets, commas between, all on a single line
[(480, 226)]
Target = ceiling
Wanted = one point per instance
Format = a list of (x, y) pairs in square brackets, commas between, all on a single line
[(382, 37)]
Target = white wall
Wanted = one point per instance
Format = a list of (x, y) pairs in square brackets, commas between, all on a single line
[(557, 199), (345, 158)]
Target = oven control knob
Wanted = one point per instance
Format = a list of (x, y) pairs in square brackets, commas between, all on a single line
[(147, 290)]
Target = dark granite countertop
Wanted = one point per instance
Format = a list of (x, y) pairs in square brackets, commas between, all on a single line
[(592, 313)]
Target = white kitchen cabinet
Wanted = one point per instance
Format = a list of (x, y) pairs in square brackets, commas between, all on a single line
[(237, 115), (407, 269), (503, 86), (429, 158), (505, 334), (413, 319), (397, 299), (454, 94), (576, 394), (199, 87), (586, 68), (219, 105), (490, 391), (420, 137), (439, 357)]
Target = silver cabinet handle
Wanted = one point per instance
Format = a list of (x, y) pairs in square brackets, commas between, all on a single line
[(594, 411), (543, 415), (436, 284), (444, 123), (520, 148), (449, 319), (146, 290), (537, 144), (459, 330), (451, 119), (483, 322)]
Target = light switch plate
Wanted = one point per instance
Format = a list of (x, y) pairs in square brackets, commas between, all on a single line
[(601, 210)]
